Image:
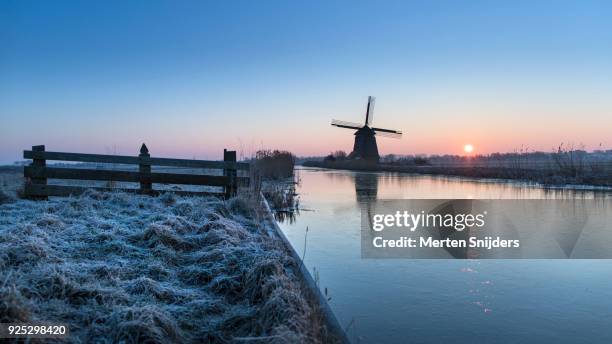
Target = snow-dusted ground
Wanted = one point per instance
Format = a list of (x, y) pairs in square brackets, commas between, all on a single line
[(123, 267)]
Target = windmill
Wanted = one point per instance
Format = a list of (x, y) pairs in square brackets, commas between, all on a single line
[(365, 137)]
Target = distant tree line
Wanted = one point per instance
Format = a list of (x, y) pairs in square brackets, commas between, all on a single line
[(564, 164)]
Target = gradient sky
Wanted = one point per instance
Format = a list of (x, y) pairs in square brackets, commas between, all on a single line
[(190, 78)]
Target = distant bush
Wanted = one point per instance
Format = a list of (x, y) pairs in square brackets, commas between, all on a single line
[(388, 159), (339, 155), (329, 158), (569, 161), (274, 164), (420, 161)]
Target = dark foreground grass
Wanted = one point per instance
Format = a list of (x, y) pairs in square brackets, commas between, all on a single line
[(129, 268)]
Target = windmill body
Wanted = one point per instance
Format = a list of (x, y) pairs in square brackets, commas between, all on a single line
[(365, 147)]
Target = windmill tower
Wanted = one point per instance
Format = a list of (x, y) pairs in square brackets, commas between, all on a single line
[(365, 146)]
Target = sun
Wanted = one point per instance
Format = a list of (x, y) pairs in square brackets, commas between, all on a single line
[(468, 148)]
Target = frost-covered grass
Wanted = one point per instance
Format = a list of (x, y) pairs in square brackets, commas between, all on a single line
[(122, 267)]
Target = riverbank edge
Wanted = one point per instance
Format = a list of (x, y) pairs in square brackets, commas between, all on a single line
[(425, 172), (335, 330)]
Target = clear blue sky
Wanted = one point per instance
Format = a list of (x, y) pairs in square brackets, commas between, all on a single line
[(190, 78)]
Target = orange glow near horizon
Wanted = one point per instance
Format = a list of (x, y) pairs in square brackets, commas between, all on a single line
[(198, 136)]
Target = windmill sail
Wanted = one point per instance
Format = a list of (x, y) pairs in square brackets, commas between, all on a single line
[(370, 111), (388, 131), (389, 135), (345, 124), (365, 146)]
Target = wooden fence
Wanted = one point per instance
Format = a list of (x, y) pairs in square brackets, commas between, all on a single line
[(37, 173)]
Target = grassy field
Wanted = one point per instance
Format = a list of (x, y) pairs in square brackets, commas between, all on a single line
[(128, 268)]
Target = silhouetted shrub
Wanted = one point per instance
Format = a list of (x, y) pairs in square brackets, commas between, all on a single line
[(420, 161), (329, 158), (339, 155), (274, 164), (569, 161)]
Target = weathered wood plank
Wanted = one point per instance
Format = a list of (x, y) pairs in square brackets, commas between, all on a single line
[(199, 163), (40, 180), (38, 173), (144, 169), (133, 160), (127, 176), (80, 174), (191, 179), (194, 179), (64, 191), (81, 157), (230, 173)]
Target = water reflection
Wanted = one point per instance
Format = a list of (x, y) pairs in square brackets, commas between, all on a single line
[(566, 223), (366, 187), (286, 216), (366, 192), (403, 300), (369, 185)]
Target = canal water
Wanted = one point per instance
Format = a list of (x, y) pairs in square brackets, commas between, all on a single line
[(443, 300)]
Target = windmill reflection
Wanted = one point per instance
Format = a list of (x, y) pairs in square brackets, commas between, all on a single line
[(366, 193), (366, 187)]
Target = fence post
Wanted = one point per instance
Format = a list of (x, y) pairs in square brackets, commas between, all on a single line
[(144, 167), (42, 180), (231, 187)]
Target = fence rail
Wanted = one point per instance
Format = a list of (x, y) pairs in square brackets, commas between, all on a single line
[(38, 173)]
